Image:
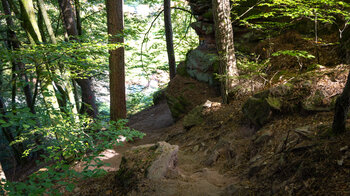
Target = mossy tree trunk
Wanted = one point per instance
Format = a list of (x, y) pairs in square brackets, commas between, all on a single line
[(65, 88), (224, 43), (32, 28), (47, 21)]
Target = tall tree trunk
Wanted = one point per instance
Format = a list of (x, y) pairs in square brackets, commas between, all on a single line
[(88, 96), (31, 26), (115, 23), (343, 101), (169, 38), (47, 21), (225, 47), (64, 88), (14, 44)]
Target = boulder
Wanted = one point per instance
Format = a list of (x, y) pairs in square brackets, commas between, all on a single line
[(257, 110), (181, 69), (194, 117), (151, 161), (314, 91), (158, 96), (185, 93), (178, 105)]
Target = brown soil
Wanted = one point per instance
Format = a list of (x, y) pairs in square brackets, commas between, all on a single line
[(294, 154)]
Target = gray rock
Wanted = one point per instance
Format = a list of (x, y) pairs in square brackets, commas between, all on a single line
[(151, 161), (201, 64), (166, 161)]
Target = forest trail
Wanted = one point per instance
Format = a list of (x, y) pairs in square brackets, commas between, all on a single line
[(191, 178)]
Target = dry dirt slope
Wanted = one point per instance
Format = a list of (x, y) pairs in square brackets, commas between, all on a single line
[(191, 177)]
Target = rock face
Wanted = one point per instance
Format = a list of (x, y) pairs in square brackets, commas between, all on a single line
[(152, 161), (311, 92), (201, 64)]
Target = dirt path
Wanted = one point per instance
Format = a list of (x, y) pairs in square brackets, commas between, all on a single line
[(192, 178)]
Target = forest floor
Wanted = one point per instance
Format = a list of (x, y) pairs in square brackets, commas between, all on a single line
[(222, 154), (192, 178)]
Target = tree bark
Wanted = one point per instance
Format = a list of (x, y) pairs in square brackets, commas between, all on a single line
[(224, 43), (88, 96), (77, 13), (47, 21), (14, 44), (341, 109), (64, 88), (169, 38), (342, 103), (31, 26), (115, 23), (28, 16)]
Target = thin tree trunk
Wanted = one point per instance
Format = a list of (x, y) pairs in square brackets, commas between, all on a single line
[(77, 13), (115, 23), (47, 21), (169, 38), (69, 18), (225, 47), (88, 96), (41, 27)]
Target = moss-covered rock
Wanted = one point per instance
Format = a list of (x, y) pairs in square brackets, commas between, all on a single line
[(194, 117), (177, 105), (158, 96), (257, 110), (200, 64), (181, 69), (315, 91), (185, 93)]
